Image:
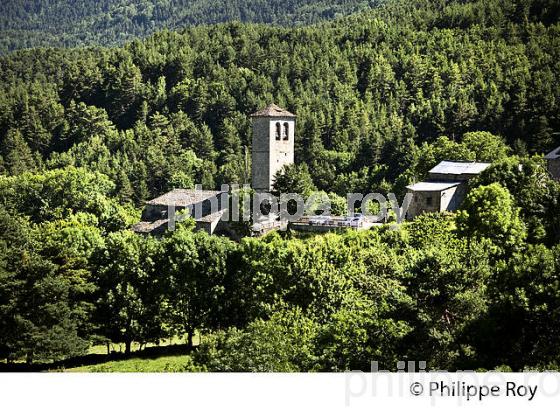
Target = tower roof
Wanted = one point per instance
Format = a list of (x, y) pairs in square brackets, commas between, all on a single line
[(272, 111)]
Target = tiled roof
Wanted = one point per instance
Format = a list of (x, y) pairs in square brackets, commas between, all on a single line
[(211, 217), (160, 225), (183, 197), (554, 154), (149, 227), (432, 186), (459, 168), (272, 111)]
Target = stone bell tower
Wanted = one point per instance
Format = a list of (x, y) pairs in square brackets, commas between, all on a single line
[(273, 145)]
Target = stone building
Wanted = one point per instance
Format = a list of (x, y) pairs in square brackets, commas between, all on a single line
[(553, 163), (445, 188), (204, 206), (273, 145)]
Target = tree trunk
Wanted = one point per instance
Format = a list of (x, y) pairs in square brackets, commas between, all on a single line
[(127, 345), (190, 339)]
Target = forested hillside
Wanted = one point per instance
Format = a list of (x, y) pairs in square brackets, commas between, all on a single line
[(369, 91), (57, 23), (86, 135)]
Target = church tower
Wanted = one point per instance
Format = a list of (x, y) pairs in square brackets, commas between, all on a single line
[(273, 145)]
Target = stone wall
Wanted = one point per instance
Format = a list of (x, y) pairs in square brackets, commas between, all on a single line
[(446, 200), (155, 212), (260, 178), (420, 204), (553, 166), (268, 154), (452, 198), (450, 177)]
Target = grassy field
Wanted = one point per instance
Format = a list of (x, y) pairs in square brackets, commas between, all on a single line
[(179, 363), (169, 355), (143, 359), (119, 347)]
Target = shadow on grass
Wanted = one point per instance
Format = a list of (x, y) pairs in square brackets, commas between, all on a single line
[(152, 352)]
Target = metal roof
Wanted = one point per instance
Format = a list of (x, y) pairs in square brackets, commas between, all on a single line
[(183, 197), (432, 186), (272, 111), (554, 154), (459, 168)]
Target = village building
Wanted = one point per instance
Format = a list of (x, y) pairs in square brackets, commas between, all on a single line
[(273, 145), (553, 163), (445, 188), (205, 207), (272, 148)]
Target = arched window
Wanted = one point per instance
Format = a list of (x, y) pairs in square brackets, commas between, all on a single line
[(278, 131), (286, 131)]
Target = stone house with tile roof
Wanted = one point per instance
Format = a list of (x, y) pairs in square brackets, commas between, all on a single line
[(445, 188)]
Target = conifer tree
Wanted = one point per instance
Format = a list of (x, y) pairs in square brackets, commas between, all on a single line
[(17, 155)]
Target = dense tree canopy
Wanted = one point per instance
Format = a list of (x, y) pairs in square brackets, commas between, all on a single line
[(58, 23), (380, 95), (88, 134)]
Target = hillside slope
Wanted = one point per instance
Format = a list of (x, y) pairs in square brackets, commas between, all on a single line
[(88, 134), (40, 23), (369, 91)]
